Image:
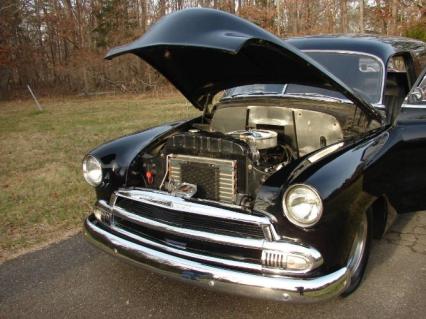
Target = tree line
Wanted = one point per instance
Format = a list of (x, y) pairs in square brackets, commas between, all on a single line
[(57, 46)]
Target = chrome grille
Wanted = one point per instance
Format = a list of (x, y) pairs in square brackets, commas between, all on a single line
[(192, 229), (227, 175), (207, 232), (191, 221)]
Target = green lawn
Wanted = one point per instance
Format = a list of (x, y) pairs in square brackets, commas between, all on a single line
[(43, 193)]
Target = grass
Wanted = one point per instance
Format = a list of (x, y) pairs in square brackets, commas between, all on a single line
[(42, 191)]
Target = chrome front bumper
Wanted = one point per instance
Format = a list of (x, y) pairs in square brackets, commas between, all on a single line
[(276, 287)]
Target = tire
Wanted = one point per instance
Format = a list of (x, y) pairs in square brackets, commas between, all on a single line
[(361, 252)]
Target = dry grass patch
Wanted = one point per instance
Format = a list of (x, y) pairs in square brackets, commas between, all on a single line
[(42, 191)]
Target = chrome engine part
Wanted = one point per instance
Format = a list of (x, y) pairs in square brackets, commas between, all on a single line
[(258, 139), (216, 179), (184, 190)]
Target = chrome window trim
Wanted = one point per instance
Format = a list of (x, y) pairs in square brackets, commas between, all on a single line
[(363, 53), (413, 106), (284, 95), (324, 98), (254, 95), (379, 106)]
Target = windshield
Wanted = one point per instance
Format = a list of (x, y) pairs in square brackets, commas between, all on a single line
[(361, 72)]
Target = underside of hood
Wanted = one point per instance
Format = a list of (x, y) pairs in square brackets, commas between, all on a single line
[(204, 51)]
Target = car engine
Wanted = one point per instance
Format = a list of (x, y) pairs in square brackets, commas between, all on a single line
[(227, 159), (225, 167)]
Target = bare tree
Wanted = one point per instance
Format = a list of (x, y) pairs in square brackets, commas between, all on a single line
[(361, 16), (343, 16), (394, 17), (58, 45)]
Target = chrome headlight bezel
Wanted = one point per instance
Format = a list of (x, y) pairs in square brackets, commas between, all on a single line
[(91, 163), (289, 214)]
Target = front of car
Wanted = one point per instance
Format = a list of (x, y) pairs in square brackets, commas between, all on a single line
[(243, 198)]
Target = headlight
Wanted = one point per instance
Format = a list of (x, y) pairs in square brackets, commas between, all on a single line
[(92, 170), (302, 205)]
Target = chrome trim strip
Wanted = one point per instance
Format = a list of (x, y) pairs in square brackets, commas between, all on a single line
[(168, 201), (188, 233), (324, 152), (221, 261), (358, 246), (413, 106), (102, 204), (379, 106), (325, 98), (253, 285), (295, 95), (165, 200)]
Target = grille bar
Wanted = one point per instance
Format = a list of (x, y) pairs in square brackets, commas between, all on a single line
[(189, 254), (165, 200), (188, 233), (178, 220)]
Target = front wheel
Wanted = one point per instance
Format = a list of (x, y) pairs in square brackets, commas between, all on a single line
[(360, 252)]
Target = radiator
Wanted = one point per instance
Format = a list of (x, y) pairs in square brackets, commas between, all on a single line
[(216, 179)]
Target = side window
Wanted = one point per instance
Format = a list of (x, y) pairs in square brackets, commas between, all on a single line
[(397, 82), (417, 95)]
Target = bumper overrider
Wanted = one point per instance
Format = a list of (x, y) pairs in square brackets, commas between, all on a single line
[(268, 279)]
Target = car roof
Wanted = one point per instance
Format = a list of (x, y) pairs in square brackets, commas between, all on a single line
[(380, 46)]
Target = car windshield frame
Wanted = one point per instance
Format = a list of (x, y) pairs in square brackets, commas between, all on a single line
[(254, 92), (378, 103), (375, 57)]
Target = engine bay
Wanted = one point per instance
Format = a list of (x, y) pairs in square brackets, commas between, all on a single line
[(229, 156), (214, 166)]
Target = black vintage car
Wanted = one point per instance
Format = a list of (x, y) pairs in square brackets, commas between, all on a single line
[(278, 187)]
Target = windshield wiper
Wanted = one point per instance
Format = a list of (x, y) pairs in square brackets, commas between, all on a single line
[(319, 95)]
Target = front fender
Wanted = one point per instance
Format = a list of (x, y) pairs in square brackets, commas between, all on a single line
[(339, 179), (117, 155)]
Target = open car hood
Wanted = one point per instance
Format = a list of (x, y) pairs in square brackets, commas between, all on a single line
[(204, 51)]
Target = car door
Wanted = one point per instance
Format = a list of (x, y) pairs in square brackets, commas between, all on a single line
[(409, 186)]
